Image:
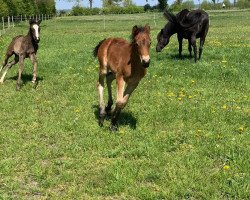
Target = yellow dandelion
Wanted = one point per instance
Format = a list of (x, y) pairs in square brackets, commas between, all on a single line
[(241, 129), (192, 81), (190, 97), (224, 106), (226, 167), (77, 110), (179, 99)]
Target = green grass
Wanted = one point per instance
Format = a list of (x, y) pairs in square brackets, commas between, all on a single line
[(184, 134)]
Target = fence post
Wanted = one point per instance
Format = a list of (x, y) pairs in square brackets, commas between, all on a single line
[(8, 22), (3, 24), (154, 19), (104, 22), (12, 18)]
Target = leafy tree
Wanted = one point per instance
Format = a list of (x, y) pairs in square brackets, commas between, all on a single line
[(162, 4), (3, 9)]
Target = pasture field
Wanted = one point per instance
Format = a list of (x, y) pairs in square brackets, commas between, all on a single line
[(185, 133)]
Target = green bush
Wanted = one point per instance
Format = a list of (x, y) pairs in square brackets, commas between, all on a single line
[(243, 4), (3, 9), (77, 10), (123, 10)]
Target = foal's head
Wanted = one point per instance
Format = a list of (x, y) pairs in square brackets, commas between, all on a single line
[(35, 30), (141, 41)]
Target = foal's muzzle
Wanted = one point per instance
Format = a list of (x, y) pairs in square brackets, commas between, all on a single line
[(145, 64), (145, 60), (37, 40)]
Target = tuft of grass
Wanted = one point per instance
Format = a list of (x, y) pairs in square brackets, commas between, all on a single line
[(183, 135)]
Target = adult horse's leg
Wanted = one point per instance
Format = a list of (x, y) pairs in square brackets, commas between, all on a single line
[(189, 47), (193, 42), (34, 62), (20, 70), (109, 77), (100, 87), (8, 66), (122, 99), (180, 39)]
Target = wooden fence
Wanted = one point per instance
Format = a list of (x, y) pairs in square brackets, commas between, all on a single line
[(11, 21)]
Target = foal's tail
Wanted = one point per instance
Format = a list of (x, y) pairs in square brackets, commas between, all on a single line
[(95, 51)]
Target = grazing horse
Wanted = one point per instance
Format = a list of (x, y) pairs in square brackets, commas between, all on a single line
[(187, 24), (126, 62), (23, 47)]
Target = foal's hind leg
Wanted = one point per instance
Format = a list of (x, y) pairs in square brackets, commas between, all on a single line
[(20, 70), (8, 66), (109, 77)]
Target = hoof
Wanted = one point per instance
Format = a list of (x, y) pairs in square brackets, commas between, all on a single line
[(18, 87), (101, 120), (35, 84), (100, 123), (113, 128)]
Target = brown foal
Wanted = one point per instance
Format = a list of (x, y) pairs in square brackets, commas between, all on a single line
[(23, 47), (126, 62)]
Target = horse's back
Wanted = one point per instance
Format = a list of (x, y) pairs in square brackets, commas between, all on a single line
[(113, 55), (15, 45), (194, 17)]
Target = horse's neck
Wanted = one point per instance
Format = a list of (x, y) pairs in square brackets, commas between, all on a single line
[(31, 40), (135, 58)]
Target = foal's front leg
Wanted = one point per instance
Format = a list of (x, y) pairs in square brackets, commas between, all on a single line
[(122, 100), (34, 62), (20, 70), (100, 87)]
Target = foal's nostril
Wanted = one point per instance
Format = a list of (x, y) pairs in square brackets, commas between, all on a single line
[(145, 64)]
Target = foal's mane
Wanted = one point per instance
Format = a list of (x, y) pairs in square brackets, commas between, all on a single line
[(136, 30)]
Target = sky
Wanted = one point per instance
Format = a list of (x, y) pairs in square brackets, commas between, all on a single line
[(64, 4)]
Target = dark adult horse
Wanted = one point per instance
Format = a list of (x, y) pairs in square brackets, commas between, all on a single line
[(187, 24)]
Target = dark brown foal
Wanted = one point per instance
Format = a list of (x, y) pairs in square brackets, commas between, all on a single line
[(23, 47), (126, 62)]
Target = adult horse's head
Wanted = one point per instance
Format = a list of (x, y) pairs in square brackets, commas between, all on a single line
[(165, 33), (35, 29), (141, 41)]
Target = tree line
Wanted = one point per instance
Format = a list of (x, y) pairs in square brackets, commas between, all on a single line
[(26, 7)]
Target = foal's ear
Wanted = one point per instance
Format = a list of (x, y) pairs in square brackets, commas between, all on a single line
[(135, 31), (147, 28), (32, 21), (39, 21)]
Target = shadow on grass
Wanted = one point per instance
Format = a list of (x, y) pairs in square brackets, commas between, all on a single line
[(183, 57), (26, 78), (125, 118)]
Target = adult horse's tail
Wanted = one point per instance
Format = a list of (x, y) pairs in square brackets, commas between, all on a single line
[(95, 51)]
